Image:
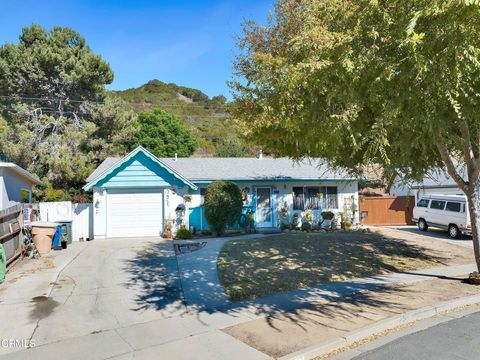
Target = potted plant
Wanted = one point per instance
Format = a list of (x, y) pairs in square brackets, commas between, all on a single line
[(295, 221), (327, 217)]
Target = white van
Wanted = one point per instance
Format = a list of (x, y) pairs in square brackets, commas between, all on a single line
[(449, 212)]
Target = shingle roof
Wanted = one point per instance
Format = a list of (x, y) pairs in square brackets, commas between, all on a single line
[(104, 166), (196, 169)]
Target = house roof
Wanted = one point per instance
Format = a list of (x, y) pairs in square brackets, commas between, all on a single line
[(438, 179), (241, 169), (110, 164), (21, 172), (267, 168)]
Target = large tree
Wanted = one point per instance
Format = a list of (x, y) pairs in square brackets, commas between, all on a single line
[(58, 119), (390, 82), (164, 135)]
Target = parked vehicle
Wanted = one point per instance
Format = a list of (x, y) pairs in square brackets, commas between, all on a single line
[(449, 212)]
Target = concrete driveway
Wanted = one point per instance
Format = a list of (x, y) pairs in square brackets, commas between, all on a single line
[(434, 233), (111, 298)]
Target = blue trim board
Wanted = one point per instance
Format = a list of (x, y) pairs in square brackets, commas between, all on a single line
[(289, 180)]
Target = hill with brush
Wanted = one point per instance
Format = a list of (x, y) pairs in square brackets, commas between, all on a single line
[(208, 118)]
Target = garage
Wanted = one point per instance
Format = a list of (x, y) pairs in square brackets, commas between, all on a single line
[(135, 195), (134, 213)]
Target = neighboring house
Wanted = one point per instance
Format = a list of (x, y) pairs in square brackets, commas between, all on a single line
[(15, 185), (137, 195), (436, 182)]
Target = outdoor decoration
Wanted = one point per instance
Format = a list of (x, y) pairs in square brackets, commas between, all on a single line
[(251, 222), (187, 198), (295, 221), (309, 216), (167, 234), (284, 216), (245, 192), (327, 217)]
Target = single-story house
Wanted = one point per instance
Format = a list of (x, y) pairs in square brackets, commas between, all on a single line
[(435, 182), (139, 194), (15, 185)]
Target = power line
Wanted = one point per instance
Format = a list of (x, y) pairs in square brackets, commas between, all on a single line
[(187, 104)]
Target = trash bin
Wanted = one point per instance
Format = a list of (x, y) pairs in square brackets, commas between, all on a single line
[(66, 231), (3, 264)]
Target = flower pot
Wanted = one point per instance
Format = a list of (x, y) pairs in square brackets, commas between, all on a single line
[(42, 235), (326, 224)]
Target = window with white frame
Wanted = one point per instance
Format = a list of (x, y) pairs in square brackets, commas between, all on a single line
[(315, 197)]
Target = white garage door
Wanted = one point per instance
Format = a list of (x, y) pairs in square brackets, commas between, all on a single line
[(134, 213)]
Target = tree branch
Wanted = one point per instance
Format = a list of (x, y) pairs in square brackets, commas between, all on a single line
[(468, 155), (452, 171)]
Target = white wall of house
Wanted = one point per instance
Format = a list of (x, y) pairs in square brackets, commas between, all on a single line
[(282, 194), (439, 190), (11, 186)]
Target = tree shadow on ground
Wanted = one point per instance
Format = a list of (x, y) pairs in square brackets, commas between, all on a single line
[(154, 273), (260, 267)]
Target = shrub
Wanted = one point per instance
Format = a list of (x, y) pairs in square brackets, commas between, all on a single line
[(206, 232), (223, 204), (328, 215), (184, 234)]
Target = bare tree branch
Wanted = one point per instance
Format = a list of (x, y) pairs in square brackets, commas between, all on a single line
[(452, 171)]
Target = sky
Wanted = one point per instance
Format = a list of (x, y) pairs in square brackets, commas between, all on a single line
[(188, 42)]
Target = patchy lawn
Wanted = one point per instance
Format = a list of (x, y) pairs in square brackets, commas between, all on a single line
[(254, 268)]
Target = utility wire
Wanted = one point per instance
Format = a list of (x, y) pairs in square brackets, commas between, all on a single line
[(187, 104)]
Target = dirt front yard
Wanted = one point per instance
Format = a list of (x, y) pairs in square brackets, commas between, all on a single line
[(280, 263)]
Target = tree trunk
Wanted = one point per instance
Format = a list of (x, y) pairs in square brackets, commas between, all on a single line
[(473, 198)]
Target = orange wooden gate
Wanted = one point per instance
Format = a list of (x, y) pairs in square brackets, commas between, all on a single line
[(387, 210)]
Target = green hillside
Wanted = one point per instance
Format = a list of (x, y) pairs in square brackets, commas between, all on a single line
[(208, 118)]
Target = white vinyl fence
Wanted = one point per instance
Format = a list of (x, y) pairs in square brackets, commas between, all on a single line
[(81, 216)]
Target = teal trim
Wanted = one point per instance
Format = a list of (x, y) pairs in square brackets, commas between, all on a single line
[(196, 217), (139, 168), (277, 180)]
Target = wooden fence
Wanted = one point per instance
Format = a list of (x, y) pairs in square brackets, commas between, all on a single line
[(387, 210), (11, 236)]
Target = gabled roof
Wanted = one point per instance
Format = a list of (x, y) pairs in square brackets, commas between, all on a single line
[(240, 169), (110, 164), (21, 172)]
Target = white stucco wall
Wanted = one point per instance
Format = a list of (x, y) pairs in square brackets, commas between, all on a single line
[(11, 185)]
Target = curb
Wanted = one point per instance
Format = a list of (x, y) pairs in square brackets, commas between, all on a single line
[(362, 334)]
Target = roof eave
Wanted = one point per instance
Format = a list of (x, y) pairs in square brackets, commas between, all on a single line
[(89, 186), (22, 172)]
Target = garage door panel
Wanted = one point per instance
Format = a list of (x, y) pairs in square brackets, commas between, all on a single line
[(133, 213)]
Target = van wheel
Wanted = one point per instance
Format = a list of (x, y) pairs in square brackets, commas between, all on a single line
[(453, 231), (422, 225)]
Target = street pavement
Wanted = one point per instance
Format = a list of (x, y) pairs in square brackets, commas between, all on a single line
[(455, 339)]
